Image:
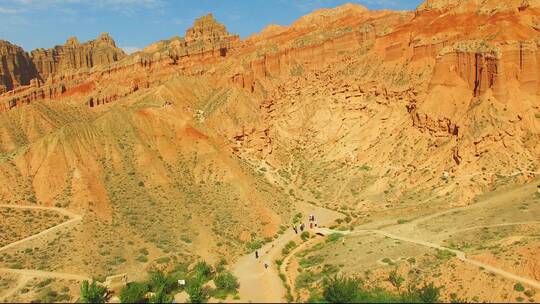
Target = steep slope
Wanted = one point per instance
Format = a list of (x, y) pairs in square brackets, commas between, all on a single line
[(213, 139), (76, 56), (16, 67)]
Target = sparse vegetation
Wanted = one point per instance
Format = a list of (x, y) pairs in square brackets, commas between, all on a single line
[(334, 237)]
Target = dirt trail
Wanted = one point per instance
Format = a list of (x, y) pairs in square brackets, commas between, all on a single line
[(46, 274), (461, 255), (488, 226), (21, 282), (27, 274), (74, 218), (261, 285)]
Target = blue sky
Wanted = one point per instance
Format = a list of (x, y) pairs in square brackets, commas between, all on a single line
[(137, 23)]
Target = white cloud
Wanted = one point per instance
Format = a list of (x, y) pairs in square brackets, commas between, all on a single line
[(130, 49)]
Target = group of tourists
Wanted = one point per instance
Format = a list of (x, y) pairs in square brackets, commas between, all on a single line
[(312, 224), (300, 228)]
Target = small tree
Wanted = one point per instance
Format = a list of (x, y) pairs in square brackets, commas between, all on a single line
[(203, 271), (395, 279), (340, 289), (92, 293), (227, 281), (429, 293), (197, 293)]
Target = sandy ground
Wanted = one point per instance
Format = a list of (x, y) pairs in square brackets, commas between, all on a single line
[(261, 285)]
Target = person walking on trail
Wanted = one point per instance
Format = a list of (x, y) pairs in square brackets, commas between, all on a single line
[(256, 254), (265, 265), (294, 228), (310, 225), (302, 227)]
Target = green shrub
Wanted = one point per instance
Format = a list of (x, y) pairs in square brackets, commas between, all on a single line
[(227, 281), (133, 292), (429, 293), (339, 289), (92, 293), (288, 247), (203, 271), (311, 261), (305, 279), (254, 245), (334, 237), (519, 287), (163, 260), (158, 280), (160, 296), (395, 279), (445, 254), (304, 235), (196, 293)]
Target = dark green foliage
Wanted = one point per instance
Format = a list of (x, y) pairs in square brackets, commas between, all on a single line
[(339, 289), (197, 293), (429, 293), (227, 281), (203, 271), (220, 266), (288, 247), (92, 293), (254, 245), (160, 296), (134, 293), (334, 237), (519, 287), (304, 235), (158, 280)]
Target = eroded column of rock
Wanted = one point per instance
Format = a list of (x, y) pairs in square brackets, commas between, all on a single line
[(16, 68), (74, 55)]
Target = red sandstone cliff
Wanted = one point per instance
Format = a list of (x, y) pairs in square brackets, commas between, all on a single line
[(16, 67), (74, 55)]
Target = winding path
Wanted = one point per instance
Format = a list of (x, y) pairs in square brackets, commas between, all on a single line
[(260, 285), (27, 274), (74, 218)]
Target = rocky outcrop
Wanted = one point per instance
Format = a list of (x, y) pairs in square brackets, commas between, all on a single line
[(477, 63), (207, 38), (16, 67), (208, 34), (74, 55)]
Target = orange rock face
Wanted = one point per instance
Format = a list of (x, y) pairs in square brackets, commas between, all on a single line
[(74, 56), (457, 78)]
